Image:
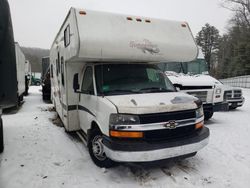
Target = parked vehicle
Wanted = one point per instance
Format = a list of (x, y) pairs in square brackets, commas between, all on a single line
[(105, 88), (8, 76), (46, 84), (20, 67), (35, 81), (45, 66), (231, 95), (187, 77)]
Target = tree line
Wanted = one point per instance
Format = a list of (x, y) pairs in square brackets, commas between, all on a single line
[(228, 55)]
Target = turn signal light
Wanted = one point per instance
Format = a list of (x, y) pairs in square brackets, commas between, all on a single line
[(199, 125), (126, 134)]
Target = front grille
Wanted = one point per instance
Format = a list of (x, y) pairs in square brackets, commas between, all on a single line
[(168, 134), (237, 94), (228, 94), (164, 117), (202, 95), (233, 94)]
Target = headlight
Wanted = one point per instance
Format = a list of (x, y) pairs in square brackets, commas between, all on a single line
[(123, 119), (199, 112), (218, 91)]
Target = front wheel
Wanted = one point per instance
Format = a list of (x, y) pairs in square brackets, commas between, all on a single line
[(96, 151), (208, 115), (1, 136)]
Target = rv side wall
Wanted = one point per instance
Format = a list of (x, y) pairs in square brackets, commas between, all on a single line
[(72, 97), (20, 64)]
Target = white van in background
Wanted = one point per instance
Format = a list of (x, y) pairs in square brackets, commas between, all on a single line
[(107, 89)]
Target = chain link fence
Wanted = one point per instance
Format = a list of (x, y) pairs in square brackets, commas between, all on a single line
[(240, 81)]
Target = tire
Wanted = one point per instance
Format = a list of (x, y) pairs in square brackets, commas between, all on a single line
[(96, 150), (1, 136), (232, 107), (208, 115)]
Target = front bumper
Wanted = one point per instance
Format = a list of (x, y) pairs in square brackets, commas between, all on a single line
[(142, 151), (236, 102), (222, 106)]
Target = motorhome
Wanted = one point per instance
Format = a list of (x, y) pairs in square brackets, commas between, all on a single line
[(106, 87), (189, 77), (8, 77)]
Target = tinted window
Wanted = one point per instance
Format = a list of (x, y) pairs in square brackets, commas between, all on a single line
[(87, 83), (62, 70), (67, 36)]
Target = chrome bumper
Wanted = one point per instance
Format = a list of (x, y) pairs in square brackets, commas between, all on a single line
[(147, 156), (146, 152)]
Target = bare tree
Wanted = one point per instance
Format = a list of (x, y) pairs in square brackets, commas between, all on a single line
[(241, 9)]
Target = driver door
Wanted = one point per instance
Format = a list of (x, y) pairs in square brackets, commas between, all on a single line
[(87, 100)]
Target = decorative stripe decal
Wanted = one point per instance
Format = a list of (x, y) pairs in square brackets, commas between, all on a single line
[(85, 109), (75, 107)]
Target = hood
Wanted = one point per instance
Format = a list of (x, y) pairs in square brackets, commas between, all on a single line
[(153, 102), (191, 80)]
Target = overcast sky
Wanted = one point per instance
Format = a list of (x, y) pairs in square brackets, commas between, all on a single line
[(36, 22)]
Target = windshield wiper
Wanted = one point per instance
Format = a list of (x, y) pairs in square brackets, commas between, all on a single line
[(156, 89)]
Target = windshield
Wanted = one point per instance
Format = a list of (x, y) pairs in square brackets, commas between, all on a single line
[(116, 79), (198, 66)]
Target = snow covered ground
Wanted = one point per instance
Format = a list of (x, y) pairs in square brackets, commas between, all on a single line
[(39, 154)]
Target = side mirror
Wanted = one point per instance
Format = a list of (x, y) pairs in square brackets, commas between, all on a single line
[(177, 87), (76, 85)]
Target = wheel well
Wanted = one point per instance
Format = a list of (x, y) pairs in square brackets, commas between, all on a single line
[(94, 126)]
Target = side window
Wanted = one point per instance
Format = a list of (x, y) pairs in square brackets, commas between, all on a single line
[(87, 82), (67, 36), (57, 67), (58, 62), (62, 70)]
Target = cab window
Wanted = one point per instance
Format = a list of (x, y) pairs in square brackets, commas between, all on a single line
[(87, 82)]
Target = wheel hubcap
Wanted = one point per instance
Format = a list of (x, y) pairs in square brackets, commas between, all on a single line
[(98, 149)]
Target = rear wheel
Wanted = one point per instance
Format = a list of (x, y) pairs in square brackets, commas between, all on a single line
[(1, 136), (96, 150)]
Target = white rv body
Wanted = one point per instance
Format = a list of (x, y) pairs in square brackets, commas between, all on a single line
[(20, 66), (88, 39)]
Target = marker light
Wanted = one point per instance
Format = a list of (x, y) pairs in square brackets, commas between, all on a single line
[(199, 125), (82, 12), (138, 19), (126, 134)]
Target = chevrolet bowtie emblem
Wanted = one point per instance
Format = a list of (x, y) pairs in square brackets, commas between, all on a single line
[(171, 125)]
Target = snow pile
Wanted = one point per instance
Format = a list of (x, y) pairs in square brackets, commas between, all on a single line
[(39, 154)]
